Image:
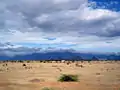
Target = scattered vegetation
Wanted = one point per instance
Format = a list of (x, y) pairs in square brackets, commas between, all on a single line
[(20, 61), (47, 88), (44, 61), (54, 66), (4, 64), (28, 61), (28, 67), (68, 63), (35, 80), (68, 78), (77, 65), (59, 69)]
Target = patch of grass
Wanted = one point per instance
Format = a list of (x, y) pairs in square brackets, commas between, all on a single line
[(68, 78), (47, 88)]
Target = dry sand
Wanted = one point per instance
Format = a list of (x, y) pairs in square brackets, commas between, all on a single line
[(96, 75)]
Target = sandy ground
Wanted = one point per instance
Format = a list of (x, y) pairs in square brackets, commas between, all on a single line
[(96, 75)]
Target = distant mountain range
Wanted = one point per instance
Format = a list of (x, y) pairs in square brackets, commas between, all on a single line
[(60, 55)]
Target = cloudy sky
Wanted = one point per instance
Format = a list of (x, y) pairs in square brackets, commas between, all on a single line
[(37, 25)]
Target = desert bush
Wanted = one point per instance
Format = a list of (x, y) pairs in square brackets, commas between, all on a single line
[(28, 61), (68, 78), (24, 64), (41, 61), (59, 69), (20, 61), (77, 65), (4, 64), (44, 61), (68, 63), (97, 73), (54, 66), (49, 61), (46, 88)]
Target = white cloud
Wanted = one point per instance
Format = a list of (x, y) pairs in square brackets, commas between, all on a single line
[(42, 18), (61, 1), (91, 14), (69, 21)]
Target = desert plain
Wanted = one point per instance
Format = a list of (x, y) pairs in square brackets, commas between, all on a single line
[(36, 75)]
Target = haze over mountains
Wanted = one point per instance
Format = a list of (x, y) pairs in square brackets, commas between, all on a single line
[(9, 51), (64, 55)]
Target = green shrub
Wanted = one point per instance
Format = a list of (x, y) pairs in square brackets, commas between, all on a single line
[(68, 78)]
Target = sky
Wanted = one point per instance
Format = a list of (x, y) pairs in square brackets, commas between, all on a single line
[(28, 26)]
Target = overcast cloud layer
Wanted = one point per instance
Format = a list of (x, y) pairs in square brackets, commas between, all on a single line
[(55, 24)]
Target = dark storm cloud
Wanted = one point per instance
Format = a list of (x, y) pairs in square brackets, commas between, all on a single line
[(60, 16), (11, 50)]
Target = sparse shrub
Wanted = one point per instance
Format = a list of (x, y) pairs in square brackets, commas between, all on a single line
[(97, 73), (50, 61), (89, 61), (20, 61), (44, 61), (68, 63), (4, 64), (24, 64), (54, 66), (46, 88), (41, 61), (56, 61), (73, 61), (59, 69), (68, 78), (77, 65), (28, 61)]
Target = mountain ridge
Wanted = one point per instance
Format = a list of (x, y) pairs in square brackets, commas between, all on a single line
[(60, 55)]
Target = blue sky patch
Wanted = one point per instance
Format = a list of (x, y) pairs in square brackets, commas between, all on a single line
[(107, 4)]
